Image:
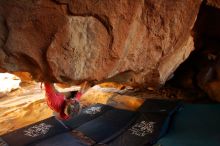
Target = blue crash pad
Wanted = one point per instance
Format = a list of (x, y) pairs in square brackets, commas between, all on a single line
[(194, 125)]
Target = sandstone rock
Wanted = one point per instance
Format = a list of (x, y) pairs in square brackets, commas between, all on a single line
[(82, 53), (23, 107), (170, 63), (134, 42), (110, 95), (31, 26), (25, 77)]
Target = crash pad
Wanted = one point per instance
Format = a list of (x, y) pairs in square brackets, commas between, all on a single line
[(34, 132), (87, 115), (100, 125), (152, 123), (107, 125), (194, 125), (51, 127)]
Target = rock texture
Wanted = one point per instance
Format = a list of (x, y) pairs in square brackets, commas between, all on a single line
[(138, 42), (23, 107)]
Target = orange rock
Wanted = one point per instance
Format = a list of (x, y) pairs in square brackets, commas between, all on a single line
[(24, 76), (139, 43)]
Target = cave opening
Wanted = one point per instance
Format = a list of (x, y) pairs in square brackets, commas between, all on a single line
[(199, 75)]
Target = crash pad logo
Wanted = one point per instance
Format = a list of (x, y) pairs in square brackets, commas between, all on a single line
[(142, 128), (92, 110), (37, 130)]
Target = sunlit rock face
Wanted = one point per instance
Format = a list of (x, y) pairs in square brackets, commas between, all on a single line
[(135, 42), (22, 107)]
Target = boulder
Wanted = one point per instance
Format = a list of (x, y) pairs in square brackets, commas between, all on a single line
[(129, 41)]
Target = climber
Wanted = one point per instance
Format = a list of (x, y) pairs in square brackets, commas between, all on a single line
[(59, 103)]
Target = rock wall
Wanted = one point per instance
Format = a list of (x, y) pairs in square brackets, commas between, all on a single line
[(138, 42), (23, 107)]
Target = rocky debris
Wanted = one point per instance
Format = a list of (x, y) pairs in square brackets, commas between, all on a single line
[(133, 42)]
